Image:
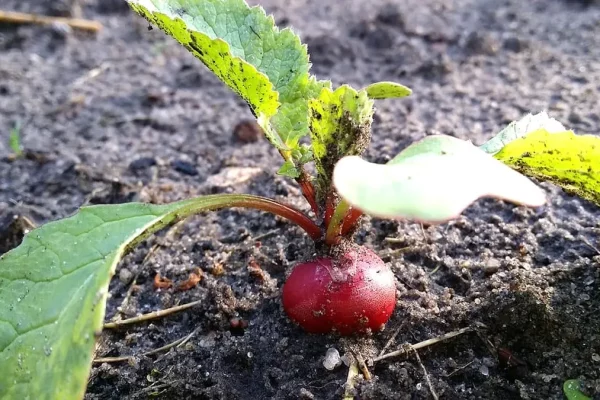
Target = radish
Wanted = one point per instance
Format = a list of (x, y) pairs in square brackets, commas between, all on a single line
[(353, 293)]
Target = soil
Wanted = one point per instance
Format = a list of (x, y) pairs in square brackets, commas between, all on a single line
[(128, 115)]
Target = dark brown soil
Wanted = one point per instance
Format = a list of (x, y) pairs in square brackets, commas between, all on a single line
[(128, 115)]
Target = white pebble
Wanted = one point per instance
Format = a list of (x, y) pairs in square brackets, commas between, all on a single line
[(332, 359)]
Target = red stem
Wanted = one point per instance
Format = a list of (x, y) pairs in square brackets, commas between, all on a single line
[(351, 220), (308, 191), (283, 210)]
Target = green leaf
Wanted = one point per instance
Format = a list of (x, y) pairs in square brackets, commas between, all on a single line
[(289, 169), (387, 90), (53, 290), (519, 129), (571, 390), (565, 159), (14, 140), (266, 66), (340, 125), (431, 181)]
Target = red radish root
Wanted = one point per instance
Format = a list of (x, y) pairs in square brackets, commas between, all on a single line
[(353, 293)]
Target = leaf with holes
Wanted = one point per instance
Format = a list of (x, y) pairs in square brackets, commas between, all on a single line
[(340, 125), (432, 181), (266, 66), (53, 289)]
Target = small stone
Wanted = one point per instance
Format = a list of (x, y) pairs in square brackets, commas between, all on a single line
[(306, 395), (575, 118), (596, 357), (125, 275), (491, 266), (142, 163), (184, 167), (484, 370), (232, 176), (247, 131), (514, 44), (332, 359), (208, 340)]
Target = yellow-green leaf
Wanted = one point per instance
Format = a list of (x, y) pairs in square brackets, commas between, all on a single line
[(387, 90), (266, 66), (340, 125), (565, 159)]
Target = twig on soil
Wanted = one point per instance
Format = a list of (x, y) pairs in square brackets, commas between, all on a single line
[(490, 347), (349, 386), (459, 369), (423, 344), (425, 237), (390, 340), (265, 235), (91, 74), (591, 246), (152, 387), (427, 379), (178, 343), (169, 235), (150, 316), (112, 359), (25, 18), (393, 240), (363, 366), (401, 250)]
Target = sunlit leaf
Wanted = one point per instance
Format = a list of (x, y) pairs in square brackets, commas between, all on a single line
[(565, 159), (387, 90), (340, 125), (266, 66), (519, 129), (53, 291)]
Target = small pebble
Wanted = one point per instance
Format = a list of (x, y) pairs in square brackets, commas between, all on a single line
[(142, 163), (484, 370), (332, 359), (125, 275), (514, 44), (184, 167), (306, 395)]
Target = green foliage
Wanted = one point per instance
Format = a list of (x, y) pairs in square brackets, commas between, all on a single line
[(565, 159), (541, 147), (14, 140), (433, 180), (571, 390), (521, 128), (266, 66), (53, 291), (387, 90), (340, 125)]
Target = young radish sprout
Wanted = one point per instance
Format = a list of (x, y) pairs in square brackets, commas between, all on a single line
[(54, 285), (346, 288)]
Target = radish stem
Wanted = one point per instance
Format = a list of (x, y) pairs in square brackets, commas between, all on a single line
[(334, 229)]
